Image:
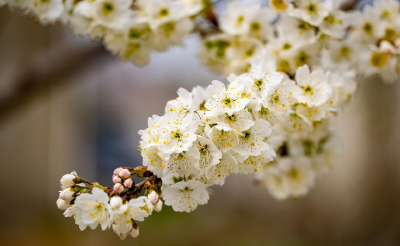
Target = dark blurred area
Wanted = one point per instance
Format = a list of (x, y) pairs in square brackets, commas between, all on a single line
[(66, 104)]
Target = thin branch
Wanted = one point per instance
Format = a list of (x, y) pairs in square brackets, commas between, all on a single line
[(349, 5), (87, 182), (151, 178)]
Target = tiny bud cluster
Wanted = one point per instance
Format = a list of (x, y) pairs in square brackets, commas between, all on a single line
[(119, 207), (122, 180)]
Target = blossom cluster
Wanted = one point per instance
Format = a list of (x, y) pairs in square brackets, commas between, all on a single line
[(96, 205), (129, 29), (288, 33), (373, 45), (318, 33), (262, 121)]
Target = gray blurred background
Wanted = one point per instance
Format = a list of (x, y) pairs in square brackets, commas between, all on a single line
[(66, 104)]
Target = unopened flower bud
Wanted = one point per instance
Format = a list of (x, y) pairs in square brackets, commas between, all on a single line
[(140, 171), (158, 183), (62, 204), (135, 232), (397, 42), (117, 170), (118, 187), (124, 173), (116, 179), (387, 47), (116, 202), (67, 194), (158, 206), (128, 183), (153, 197), (122, 235), (68, 180), (147, 184)]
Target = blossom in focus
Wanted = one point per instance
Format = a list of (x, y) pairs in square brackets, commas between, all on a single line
[(314, 85), (95, 209), (185, 196)]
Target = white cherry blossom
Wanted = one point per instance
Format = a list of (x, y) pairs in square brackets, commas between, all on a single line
[(315, 89), (251, 142), (95, 209), (311, 11), (225, 100), (136, 209), (176, 134), (185, 196)]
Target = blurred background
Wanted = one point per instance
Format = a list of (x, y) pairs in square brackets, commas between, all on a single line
[(66, 104)]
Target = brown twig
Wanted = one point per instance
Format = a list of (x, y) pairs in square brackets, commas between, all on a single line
[(141, 184), (349, 5)]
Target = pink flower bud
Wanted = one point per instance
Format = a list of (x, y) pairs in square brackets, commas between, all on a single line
[(62, 204), (387, 47), (118, 187), (153, 197), (128, 183), (158, 206), (122, 233), (116, 202), (397, 42), (124, 173), (68, 180), (117, 170), (67, 194), (116, 179), (135, 232)]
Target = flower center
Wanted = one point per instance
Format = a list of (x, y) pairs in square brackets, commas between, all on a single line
[(204, 150), (385, 15), (169, 27), (308, 90), (286, 46), (302, 59), (308, 147), (368, 28), (258, 83), (246, 135), (312, 8), (379, 59), (186, 189), (345, 51), (163, 12), (230, 118), (294, 173), (227, 101), (283, 66), (279, 4), (390, 34), (255, 26), (239, 20), (330, 19), (107, 8), (263, 111), (249, 52), (275, 100), (177, 135), (304, 26)]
